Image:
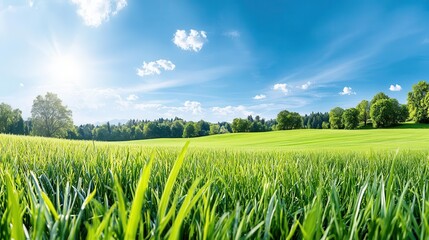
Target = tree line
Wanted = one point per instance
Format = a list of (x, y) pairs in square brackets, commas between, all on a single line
[(138, 129), (382, 111), (50, 118)]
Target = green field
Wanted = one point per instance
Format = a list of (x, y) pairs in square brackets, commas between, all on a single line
[(363, 184), (311, 139)]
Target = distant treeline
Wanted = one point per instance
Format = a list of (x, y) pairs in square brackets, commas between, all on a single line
[(179, 128), (166, 128), (51, 119)]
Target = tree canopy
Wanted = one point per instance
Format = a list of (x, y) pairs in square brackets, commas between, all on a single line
[(11, 120), (335, 118), (418, 102), (363, 109), (50, 117), (289, 120), (350, 118), (240, 125), (378, 96), (189, 130), (177, 129), (387, 113), (316, 120)]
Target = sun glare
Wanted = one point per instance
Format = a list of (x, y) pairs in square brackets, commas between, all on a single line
[(66, 70)]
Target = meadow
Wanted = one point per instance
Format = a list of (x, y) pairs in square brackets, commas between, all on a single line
[(300, 184), (404, 137)]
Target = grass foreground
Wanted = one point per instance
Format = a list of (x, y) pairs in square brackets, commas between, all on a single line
[(74, 189)]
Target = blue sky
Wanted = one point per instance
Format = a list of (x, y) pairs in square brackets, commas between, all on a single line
[(212, 60)]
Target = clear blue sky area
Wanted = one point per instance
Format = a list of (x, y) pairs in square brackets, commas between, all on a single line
[(212, 60)]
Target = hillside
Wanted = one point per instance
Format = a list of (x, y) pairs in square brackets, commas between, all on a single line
[(414, 139)]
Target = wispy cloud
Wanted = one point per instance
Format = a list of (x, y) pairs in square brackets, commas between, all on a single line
[(333, 72), (188, 109), (347, 91), (155, 67), (281, 87), (132, 97), (194, 41), (395, 88), (100, 98), (94, 13), (259, 97), (338, 64), (193, 107), (231, 111), (148, 106), (305, 86), (232, 34)]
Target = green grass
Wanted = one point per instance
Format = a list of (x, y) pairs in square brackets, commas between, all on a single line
[(389, 139), (220, 187)]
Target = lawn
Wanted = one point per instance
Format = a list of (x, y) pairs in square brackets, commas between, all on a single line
[(363, 184), (307, 139)]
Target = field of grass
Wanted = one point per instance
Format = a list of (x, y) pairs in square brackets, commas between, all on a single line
[(219, 187), (307, 139)]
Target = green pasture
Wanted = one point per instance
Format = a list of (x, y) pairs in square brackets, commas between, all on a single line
[(307, 139), (234, 186)]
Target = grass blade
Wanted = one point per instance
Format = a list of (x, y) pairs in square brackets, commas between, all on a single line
[(136, 207), (14, 207), (170, 182)]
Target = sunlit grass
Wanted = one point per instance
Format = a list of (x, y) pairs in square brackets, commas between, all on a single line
[(71, 189), (307, 139)]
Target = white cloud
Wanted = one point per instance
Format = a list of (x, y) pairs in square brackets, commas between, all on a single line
[(281, 87), (231, 111), (193, 41), (305, 86), (152, 68), (30, 3), (190, 110), (192, 106), (232, 34), (95, 12), (120, 4), (148, 106), (21, 84), (259, 97), (132, 97), (347, 91), (166, 64), (395, 88)]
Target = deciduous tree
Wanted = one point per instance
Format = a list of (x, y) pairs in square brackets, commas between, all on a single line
[(418, 102), (177, 129), (363, 108), (350, 118), (240, 125), (50, 117), (386, 113), (377, 97), (189, 130), (10, 120), (335, 118), (289, 120), (214, 129)]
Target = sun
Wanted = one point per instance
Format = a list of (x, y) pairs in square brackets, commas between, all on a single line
[(66, 70)]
